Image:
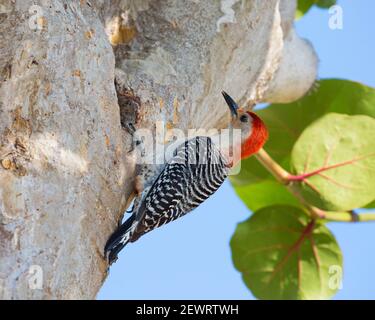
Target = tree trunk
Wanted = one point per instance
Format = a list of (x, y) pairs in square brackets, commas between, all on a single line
[(66, 168)]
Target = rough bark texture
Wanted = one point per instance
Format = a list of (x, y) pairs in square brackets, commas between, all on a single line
[(66, 171)]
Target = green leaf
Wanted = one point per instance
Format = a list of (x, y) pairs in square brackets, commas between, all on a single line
[(283, 254), (286, 122), (264, 194), (302, 7), (371, 205), (305, 5), (325, 4), (335, 156)]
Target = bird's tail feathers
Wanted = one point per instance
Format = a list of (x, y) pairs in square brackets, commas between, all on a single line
[(118, 240)]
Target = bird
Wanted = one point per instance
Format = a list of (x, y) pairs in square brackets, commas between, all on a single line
[(197, 168)]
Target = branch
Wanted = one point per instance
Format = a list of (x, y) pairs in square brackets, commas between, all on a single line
[(347, 216), (288, 180), (272, 166)]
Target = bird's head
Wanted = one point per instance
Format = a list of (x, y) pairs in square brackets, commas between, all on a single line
[(254, 133)]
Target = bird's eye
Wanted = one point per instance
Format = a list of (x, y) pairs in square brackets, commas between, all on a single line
[(244, 118)]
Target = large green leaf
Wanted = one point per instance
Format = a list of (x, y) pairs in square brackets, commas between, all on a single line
[(335, 156), (283, 254), (286, 122), (305, 5)]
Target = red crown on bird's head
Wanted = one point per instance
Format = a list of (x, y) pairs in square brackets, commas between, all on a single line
[(257, 138)]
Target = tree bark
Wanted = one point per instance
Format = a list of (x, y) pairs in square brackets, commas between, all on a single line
[(73, 74)]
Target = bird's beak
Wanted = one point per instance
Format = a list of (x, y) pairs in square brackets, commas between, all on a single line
[(232, 105)]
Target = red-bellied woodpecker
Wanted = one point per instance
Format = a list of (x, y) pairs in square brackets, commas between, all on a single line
[(196, 170)]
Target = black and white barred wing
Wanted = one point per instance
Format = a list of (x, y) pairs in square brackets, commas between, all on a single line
[(195, 172)]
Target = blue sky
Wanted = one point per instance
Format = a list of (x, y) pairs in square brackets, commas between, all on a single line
[(191, 258)]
